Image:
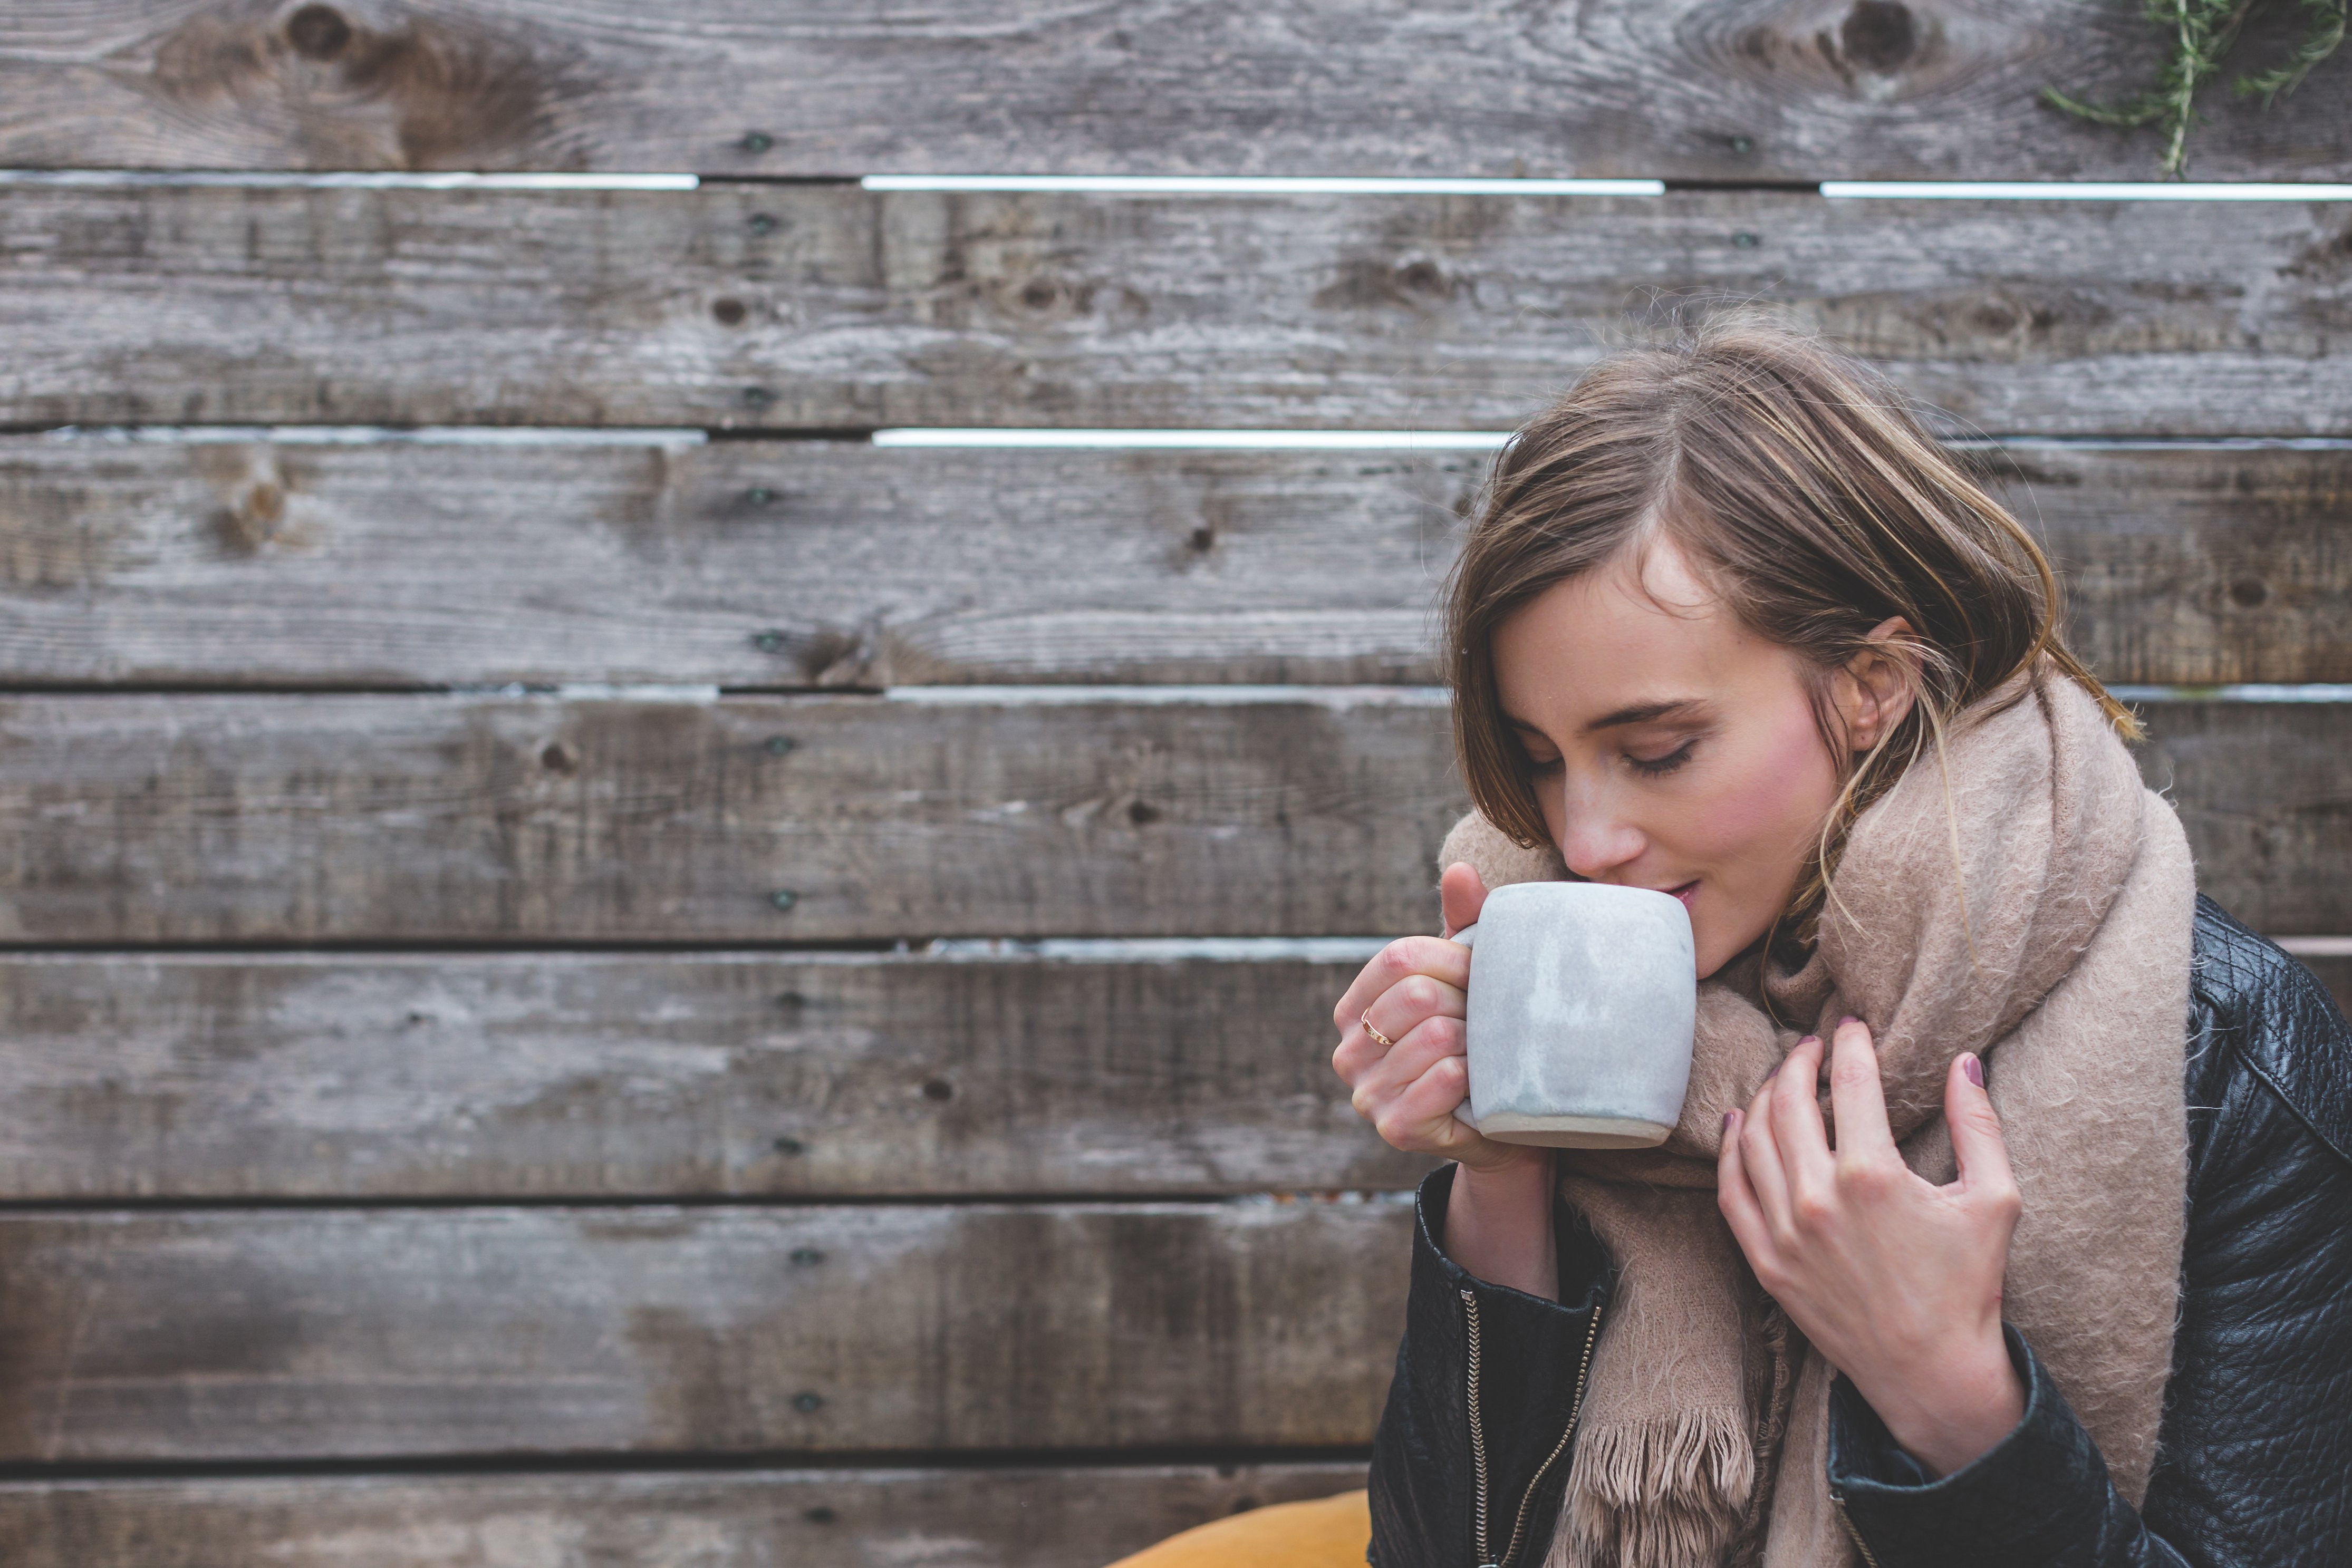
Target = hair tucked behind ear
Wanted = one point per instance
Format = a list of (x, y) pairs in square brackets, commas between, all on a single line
[(1803, 485)]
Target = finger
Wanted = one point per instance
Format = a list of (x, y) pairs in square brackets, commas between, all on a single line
[(1977, 1142), (1798, 1133), (1424, 1112), (1448, 962), (1857, 1096), (1759, 1160), (1405, 1005), (1399, 1013), (1736, 1199), (1461, 894), (1420, 1049), (1357, 1055)]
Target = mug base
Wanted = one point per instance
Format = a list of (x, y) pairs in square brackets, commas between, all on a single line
[(1574, 1132)]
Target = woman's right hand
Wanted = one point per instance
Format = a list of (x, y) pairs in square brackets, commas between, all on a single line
[(1414, 991)]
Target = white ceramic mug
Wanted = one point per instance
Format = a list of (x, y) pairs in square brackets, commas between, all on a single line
[(1582, 998)]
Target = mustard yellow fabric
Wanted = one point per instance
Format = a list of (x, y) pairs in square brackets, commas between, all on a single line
[(1327, 1533)]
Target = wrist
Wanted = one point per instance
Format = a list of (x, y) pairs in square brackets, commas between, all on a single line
[(1498, 1223), (1956, 1405), (1501, 1168)]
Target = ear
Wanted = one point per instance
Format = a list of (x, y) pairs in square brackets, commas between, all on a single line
[(1875, 690)]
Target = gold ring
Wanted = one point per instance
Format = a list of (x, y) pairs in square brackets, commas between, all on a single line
[(1366, 1019)]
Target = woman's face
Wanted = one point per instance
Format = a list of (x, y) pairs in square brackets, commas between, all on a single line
[(1674, 749)]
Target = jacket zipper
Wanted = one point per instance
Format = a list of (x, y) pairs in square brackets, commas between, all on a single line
[(1478, 1441), (1477, 1437), (1837, 1500)]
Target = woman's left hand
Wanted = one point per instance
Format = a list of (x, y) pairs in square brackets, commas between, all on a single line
[(1895, 1280)]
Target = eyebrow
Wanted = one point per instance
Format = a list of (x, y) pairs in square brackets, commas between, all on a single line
[(1634, 713)]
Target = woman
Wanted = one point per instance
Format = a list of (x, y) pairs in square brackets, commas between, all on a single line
[(2054, 1280)]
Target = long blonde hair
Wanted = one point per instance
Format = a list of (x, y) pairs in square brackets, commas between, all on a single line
[(1804, 487)]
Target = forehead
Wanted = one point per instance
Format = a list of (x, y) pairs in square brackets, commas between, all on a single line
[(1643, 628)]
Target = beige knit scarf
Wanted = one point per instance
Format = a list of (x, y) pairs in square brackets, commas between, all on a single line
[(2059, 953)]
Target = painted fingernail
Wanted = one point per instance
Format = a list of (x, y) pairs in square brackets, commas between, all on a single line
[(1847, 1019), (1810, 1039), (1729, 1118), (1973, 1068)]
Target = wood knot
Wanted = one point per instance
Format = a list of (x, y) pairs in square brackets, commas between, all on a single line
[(1878, 36), (256, 514), (834, 656), (1369, 282), (318, 32), (264, 506), (1993, 318), (440, 91)]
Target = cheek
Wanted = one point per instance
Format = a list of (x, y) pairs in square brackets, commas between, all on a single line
[(1775, 794)]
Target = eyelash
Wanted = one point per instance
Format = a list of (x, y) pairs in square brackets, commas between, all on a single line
[(1659, 767), (1651, 767)]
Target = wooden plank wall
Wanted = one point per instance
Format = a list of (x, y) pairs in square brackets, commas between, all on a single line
[(600, 971)]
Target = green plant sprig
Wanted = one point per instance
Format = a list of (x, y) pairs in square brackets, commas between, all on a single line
[(2201, 33)]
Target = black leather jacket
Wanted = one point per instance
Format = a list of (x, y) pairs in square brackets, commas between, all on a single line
[(2254, 1459)]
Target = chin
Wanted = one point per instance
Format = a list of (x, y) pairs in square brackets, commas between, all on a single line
[(1714, 951)]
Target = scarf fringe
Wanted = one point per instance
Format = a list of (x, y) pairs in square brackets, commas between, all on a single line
[(1656, 1494)]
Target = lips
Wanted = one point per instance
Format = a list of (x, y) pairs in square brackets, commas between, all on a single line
[(1687, 893)]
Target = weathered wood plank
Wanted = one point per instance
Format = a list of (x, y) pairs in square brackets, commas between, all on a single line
[(830, 307), (2334, 972), (317, 1333), (614, 1075), (165, 563), (2197, 565), (980, 1517), (320, 565), (393, 1077), (441, 818), (1930, 87), (2266, 796)]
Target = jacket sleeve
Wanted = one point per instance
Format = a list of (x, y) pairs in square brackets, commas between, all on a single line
[(1426, 1495), (2256, 1439), (2040, 1498)]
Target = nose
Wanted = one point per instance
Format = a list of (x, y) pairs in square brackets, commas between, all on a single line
[(1595, 839)]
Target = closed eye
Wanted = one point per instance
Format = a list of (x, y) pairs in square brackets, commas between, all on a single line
[(1659, 767)]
